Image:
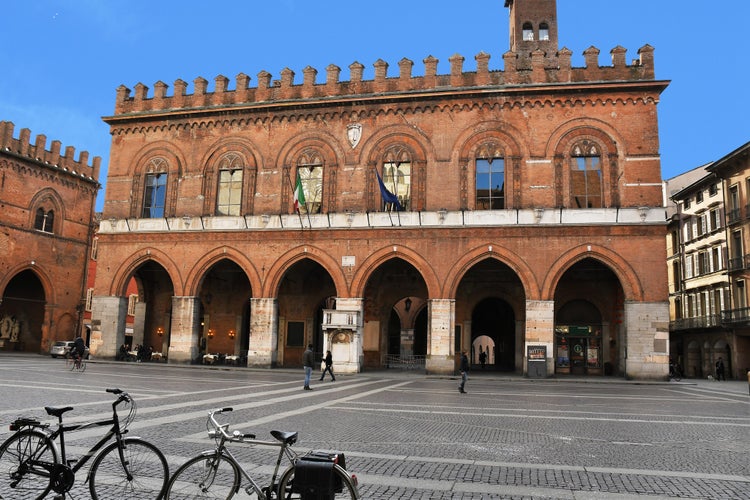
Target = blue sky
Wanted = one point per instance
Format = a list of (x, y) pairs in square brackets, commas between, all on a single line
[(62, 60)]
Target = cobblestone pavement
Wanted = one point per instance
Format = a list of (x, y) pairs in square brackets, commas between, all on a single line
[(411, 436)]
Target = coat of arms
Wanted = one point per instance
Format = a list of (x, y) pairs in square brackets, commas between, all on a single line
[(354, 133)]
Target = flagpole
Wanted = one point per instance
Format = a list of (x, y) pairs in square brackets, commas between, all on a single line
[(297, 210)]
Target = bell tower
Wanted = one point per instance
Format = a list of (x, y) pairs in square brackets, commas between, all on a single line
[(533, 25)]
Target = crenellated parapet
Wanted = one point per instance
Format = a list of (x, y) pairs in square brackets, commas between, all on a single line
[(537, 69), (53, 157)]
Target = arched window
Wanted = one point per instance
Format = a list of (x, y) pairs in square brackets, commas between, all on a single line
[(229, 197), (44, 220), (544, 32), (310, 173), (490, 178), (396, 176), (586, 175), (155, 189), (528, 32)]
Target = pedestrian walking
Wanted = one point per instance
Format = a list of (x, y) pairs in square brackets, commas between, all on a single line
[(464, 369), (307, 362), (328, 360), (720, 369), (483, 358)]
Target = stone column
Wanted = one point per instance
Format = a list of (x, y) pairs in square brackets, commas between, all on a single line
[(108, 316), (646, 349), (540, 330), (139, 323), (184, 330), (441, 319), (264, 333)]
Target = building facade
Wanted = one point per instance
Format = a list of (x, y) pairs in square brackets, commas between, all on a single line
[(47, 199), (259, 219), (697, 270), (734, 172)]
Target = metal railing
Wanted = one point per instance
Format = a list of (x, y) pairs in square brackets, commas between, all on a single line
[(736, 316), (709, 321), (738, 263), (405, 362)]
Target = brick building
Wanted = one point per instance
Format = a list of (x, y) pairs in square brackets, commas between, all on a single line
[(47, 208), (532, 217)]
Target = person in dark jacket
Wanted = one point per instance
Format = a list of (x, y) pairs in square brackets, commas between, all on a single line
[(78, 349), (720, 369), (329, 366), (464, 369), (307, 363)]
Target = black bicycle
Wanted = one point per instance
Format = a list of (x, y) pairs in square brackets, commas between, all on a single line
[(31, 464)]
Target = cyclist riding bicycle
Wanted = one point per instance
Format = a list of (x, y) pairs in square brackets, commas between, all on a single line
[(79, 347)]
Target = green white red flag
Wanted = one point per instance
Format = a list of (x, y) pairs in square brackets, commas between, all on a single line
[(299, 194)]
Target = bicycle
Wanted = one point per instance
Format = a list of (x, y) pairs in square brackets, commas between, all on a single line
[(217, 473), (75, 362), (31, 464)]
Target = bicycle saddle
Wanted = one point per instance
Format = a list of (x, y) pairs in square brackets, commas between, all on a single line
[(56, 411), (285, 437)]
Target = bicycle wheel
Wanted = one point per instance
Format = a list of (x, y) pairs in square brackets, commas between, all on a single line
[(26, 460), (69, 363), (143, 472), (348, 490), (206, 476), (82, 366)]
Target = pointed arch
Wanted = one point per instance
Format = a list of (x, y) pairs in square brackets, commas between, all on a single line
[(320, 149), (631, 284), (378, 257), (488, 140), (393, 144), (230, 153), (285, 261), (121, 277), (157, 158), (44, 279), (48, 205), (525, 274), (196, 274)]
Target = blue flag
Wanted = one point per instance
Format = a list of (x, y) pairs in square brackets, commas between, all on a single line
[(388, 197)]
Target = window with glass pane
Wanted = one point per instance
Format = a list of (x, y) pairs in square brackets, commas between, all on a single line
[(155, 195), (229, 200), (397, 180), (586, 177), (490, 183), (311, 177)]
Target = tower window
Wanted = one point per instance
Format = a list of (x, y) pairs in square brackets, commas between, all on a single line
[(528, 32), (544, 31)]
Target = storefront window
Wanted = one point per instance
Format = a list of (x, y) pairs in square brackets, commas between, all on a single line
[(578, 349)]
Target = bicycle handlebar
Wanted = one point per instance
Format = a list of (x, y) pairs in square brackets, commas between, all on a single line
[(122, 395), (222, 428)]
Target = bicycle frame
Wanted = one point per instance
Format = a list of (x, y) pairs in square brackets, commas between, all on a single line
[(81, 461), (59, 434), (221, 449)]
